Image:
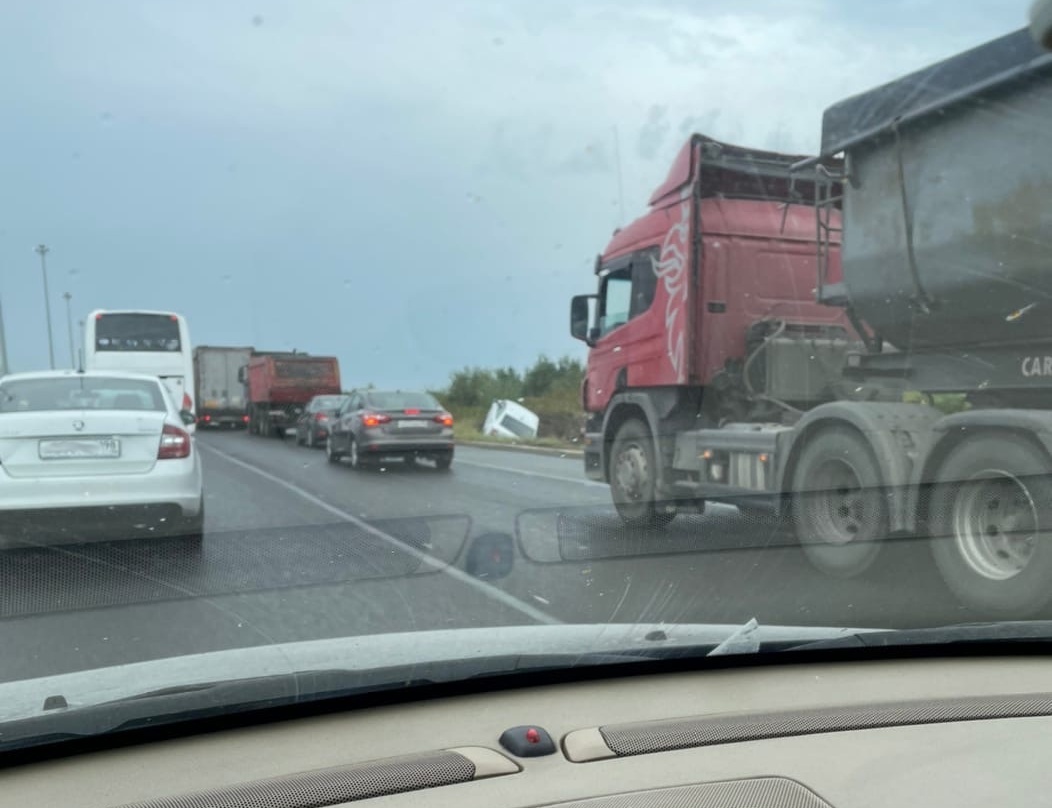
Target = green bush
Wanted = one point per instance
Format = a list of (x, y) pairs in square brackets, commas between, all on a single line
[(552, 389)]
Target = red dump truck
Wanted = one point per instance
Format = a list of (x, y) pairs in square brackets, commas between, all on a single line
[(776, 331), (279, 385)]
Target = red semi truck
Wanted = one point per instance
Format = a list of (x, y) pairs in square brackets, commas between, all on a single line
[(279, 385), (762, 334)]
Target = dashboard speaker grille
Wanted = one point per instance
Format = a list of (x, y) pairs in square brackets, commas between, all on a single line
[(761, 792), (661, 736), (331, 786)]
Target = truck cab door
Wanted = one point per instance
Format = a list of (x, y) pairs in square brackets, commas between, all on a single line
[(629, 336)]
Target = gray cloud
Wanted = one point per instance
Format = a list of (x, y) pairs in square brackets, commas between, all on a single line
[(653, 133), (592, 158)]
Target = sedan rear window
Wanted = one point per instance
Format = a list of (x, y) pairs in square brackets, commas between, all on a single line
[(327, 402), (402, 401), (81, 393)]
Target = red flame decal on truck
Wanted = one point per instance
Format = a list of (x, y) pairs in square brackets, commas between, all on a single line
[(671, 269)]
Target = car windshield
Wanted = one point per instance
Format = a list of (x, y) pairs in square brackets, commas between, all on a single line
[(77, 393), (487, 329)]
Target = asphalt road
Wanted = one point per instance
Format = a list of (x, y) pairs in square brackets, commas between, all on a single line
[(298, 548)]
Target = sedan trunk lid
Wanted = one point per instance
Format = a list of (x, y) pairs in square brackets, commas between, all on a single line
[(73, 443)]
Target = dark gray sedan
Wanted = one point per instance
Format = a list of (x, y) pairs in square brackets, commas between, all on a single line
[(374, 425), (312, 427)]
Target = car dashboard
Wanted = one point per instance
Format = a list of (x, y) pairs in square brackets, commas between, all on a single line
[(951, 731)]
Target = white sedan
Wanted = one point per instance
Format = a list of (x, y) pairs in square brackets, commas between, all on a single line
[(96, 454)]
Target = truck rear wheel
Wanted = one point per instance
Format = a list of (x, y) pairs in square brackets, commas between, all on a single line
[(839, 509), (633, 478), (991, 525)]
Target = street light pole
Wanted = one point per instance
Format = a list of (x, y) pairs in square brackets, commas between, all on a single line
[(42, 251), (69, 328)]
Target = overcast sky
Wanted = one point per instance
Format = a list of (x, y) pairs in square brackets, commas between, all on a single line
[(412, 186)]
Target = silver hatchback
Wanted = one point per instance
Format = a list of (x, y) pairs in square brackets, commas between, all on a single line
[(375, 425)]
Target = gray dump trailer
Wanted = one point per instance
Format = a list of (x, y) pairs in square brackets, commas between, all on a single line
[(946, 260), (934, 234)]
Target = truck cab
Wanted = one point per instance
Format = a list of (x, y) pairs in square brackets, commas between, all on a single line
[(723, 262)]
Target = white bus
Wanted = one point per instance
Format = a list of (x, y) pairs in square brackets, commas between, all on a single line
[(154, 342)]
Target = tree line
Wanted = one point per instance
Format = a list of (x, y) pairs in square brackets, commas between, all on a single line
[(478, 387)]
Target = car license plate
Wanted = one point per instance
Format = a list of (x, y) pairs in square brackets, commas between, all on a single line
[(80, 448), (412, 424)]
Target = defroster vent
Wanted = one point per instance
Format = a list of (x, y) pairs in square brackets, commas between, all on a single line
[(342, 784)]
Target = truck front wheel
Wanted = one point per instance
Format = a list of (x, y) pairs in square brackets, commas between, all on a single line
[(633, 478), (839, 510), (990, 518)]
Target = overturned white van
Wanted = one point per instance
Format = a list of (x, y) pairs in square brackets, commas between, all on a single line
[(509, 419)]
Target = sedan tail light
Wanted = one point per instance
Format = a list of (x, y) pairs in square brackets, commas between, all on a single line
[(175, 443), (444, 418), (371, 419), (321, 416)]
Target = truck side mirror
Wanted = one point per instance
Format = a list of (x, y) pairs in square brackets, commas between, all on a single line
[(241, 374), (582, 309)]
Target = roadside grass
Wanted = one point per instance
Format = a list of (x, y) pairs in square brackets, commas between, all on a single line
[(470, 434)]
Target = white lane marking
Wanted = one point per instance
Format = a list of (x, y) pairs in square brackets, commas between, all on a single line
[(487, 589), (540, 474)]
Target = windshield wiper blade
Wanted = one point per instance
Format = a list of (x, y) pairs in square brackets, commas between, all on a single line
[(1007, 631), (202, 700)]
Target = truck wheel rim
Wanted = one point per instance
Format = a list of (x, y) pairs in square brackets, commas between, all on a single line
[(838, 502), (632, 472), (995, 524)]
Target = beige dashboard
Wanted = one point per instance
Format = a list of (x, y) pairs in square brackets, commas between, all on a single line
[(983, 760)]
